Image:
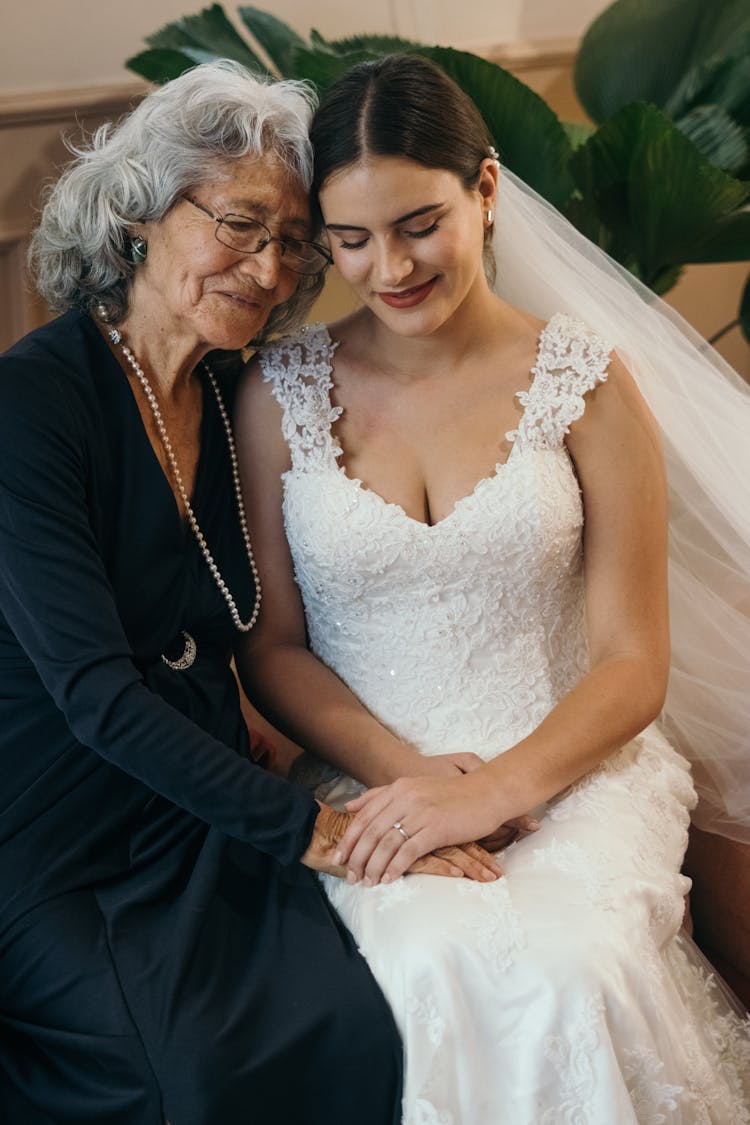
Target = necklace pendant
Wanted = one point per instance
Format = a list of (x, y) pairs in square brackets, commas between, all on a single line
[(182, 663), (115, 335)]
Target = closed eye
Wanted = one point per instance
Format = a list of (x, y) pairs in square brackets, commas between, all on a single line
[(422, 233), (353, 245), (343, 245), (240, 226)]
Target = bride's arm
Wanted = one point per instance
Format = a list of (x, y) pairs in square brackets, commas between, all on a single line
[(286, 682), (616, 450)]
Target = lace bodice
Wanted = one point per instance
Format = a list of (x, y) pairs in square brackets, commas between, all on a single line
[(461, 635)]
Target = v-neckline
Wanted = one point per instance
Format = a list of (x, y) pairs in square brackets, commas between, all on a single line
[(182, 522), (335, 412)]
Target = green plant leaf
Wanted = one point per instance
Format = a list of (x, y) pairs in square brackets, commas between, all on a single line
[(324, 67), (640, 50), (717, 135), (577, 133), (723, 79), (317, 40), (728, 240), (375, 44), (528, 135), (277, 39), (209, 31), (656, 193), (666, 280), (160, 65)]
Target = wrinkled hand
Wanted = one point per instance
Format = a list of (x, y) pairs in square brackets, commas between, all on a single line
[(508, 833), (433, 812), (469, 860)]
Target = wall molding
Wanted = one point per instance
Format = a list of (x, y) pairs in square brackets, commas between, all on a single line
[(42, 107), (531, 55)]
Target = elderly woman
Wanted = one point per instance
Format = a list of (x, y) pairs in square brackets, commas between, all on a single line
[(164, 955)]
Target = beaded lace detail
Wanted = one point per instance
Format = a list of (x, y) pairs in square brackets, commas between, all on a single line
[(498, 637)]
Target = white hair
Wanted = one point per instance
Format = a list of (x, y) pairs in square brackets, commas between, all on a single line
[(181, 135)]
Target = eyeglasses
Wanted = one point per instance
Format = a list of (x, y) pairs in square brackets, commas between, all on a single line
[(249, 236)]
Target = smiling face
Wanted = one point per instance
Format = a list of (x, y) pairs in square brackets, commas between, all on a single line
[(409, 239), (208, 294)]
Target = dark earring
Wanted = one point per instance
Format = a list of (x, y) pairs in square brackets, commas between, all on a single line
[(138, 250)]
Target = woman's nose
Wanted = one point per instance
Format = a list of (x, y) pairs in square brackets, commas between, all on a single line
[(393, 265), (265, 266)]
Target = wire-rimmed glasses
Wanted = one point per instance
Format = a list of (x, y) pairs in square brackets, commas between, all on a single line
[(250, 236)]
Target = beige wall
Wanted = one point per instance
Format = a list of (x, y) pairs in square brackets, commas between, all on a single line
[(62, 71), (47, 44)]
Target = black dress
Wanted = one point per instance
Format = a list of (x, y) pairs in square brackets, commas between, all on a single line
[(162, 953)]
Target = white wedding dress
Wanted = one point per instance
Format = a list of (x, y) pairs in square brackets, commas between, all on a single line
[(565, 992)]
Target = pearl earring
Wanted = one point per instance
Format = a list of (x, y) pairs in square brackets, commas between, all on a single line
[(489, 217)]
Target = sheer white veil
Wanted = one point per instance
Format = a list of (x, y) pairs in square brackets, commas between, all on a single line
[(703, 407)]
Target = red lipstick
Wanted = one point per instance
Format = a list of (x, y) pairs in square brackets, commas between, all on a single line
[(408, 298)]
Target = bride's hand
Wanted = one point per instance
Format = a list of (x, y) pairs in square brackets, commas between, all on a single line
[(445, 765), (396, 824), (468, 860)]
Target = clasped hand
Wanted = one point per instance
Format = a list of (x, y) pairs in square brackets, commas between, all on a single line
[(421, 825), (467, 860)]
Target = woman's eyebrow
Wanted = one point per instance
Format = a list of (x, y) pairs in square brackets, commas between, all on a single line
[(401, 219)]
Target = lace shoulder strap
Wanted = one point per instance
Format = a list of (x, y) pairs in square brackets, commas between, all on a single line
[(572, 359), (299, 370)]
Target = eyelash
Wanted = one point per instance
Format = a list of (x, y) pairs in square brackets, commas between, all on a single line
[(409, 234)]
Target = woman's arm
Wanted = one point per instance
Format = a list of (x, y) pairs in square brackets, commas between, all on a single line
[(288, 684), (616, 450), (56, 597)]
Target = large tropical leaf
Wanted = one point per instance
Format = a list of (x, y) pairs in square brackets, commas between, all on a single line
[(721, 139), (722, 79), (327, 59), (324, 67), (161, 65), (528, 135), (640, 50), (727, 241), (653, 190), (277, 39), (375, 44), (209, 31)]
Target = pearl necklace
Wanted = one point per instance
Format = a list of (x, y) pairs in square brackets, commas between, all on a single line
[(243, 626)]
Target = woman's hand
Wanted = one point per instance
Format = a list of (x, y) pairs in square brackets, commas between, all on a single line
[(514, 829), (397, 824), (444, 765), (467, 860)]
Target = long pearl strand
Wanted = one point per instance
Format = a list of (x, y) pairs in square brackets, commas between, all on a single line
[(243, 626)]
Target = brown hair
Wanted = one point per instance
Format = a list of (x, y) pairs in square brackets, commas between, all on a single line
[(400, 105)]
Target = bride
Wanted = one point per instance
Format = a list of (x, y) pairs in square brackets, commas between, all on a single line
[(496, 653)]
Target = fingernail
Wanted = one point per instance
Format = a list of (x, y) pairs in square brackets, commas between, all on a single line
[(351, 877), (367, 881), (534, 824), (387, 879), (338, 857)]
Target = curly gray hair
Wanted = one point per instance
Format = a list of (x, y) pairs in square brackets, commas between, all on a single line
[(134, 171)]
